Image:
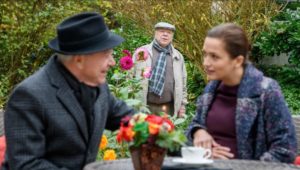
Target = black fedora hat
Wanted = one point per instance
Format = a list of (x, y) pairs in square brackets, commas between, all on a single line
[(84, 33)]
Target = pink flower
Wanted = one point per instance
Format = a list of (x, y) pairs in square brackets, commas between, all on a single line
[(141, 54), (146, 73), (126, 63), (127, 52)]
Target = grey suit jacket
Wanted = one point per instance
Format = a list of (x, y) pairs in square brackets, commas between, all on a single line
[(46, 127)]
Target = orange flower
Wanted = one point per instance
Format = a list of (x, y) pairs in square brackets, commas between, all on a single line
[(109, 154), (153, 128), (103, 142), (125, 133)]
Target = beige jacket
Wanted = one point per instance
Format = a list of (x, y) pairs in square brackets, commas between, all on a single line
[(180, 76)]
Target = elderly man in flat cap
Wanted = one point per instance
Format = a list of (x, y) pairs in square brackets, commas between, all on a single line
[(165, 90), (55, 118)]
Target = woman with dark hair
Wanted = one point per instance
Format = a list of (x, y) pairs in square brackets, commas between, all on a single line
[(242, 114)]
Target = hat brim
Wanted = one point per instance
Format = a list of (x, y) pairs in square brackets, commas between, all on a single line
[(167, 28), (112, 41)]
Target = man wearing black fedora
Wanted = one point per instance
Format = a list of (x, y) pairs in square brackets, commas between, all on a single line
[(55, 118)]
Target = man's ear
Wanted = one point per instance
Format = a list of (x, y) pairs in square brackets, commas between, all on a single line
[(78, 60)]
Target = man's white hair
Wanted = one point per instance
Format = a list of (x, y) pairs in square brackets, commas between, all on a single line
[(63, 57)]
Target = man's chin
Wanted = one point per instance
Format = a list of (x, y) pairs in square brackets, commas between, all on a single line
[(102, 82)]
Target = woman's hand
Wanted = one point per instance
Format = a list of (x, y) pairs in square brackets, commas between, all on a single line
[(203, 139), (221, 152)]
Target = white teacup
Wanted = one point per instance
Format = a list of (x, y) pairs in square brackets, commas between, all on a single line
[(191, 153)]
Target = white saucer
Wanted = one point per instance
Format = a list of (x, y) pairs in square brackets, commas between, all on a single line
[(193, 162)]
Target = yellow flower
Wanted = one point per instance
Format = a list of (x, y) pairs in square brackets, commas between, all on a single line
[(103, 142), (109, 154)]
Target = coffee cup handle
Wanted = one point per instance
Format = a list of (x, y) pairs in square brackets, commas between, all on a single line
[(207, 154)]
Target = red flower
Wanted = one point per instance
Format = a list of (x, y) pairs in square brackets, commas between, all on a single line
[(154, 119), (127, 52), (155, 123), (126, 63), (125, 133), (169, 124), (297, 160)]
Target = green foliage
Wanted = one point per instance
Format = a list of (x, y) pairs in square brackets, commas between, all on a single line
[(176, 139), (126, 88), (135, 37), (25, 29), (193, 18), (141, 133), (289, 4), (120, 149), (282, 36), (121, 83), (288, 78)]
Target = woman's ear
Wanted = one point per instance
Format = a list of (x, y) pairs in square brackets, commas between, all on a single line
[(240, 61)]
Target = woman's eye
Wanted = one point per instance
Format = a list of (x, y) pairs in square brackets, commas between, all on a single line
[(214, 56)]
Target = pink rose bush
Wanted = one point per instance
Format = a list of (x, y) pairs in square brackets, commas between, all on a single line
[(125, 86), (126, 62)]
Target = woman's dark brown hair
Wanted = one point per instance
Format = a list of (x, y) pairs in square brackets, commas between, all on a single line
[(234, 38)]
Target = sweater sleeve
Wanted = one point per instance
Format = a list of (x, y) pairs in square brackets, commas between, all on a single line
[(280, 130)]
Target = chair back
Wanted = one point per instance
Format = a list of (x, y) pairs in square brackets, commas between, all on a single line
[(296, 119)]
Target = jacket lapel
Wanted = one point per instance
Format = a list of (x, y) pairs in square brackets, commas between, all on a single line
[(99, 116), (248, 104), (66, 97)]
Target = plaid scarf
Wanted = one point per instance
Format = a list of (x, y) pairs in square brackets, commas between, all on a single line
[(157, 79)]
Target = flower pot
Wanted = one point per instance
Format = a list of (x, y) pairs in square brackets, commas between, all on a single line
[(147, 157)]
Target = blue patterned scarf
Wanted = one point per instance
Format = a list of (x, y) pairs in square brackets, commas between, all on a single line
[(157, 79)]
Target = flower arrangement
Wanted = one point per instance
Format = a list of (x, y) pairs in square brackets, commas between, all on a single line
[(150, 129)]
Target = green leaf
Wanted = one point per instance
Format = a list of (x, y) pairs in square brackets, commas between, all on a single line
[(179, 121), (173, 141), (141, 133)]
